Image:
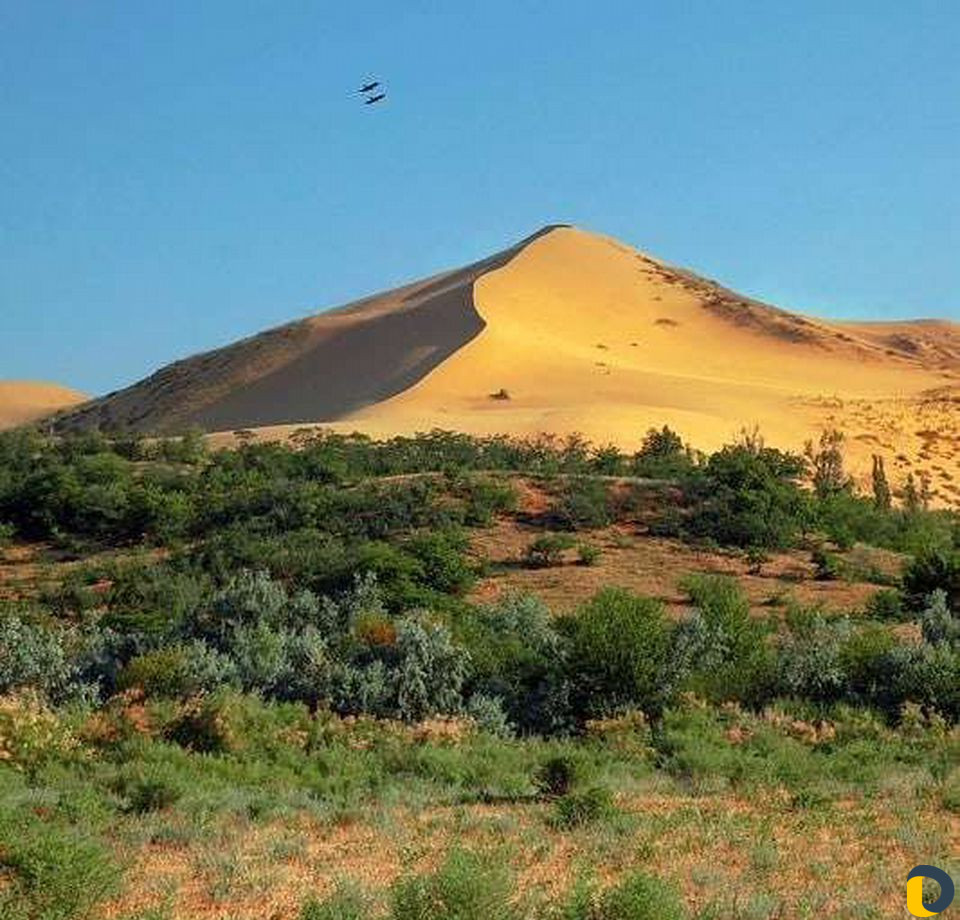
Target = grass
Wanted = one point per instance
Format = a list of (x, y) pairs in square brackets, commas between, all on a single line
[(726, 800)]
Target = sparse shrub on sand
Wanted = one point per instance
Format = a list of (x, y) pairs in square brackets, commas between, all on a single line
[(588, 554), (547, 550), (467, 886), (584, 504)]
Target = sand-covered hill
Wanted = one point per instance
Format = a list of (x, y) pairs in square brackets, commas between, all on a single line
[(24, 401), (571, 331)]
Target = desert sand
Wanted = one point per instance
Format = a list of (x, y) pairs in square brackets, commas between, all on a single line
[(24, 401), (577, 332)]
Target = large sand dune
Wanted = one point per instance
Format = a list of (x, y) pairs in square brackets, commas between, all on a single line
[(579, 333), (23, 401)]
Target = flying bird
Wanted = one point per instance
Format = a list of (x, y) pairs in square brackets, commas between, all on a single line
[(369, 87), (377, 98)]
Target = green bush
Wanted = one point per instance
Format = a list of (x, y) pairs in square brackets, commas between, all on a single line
[(547, 550), (484, 498), (729, 653), (662, 455), (829, 566), (468, 886), (618, 646), (556, 777), (584, 504), (931, 571), (636, 897), (748, 496), (886, 605), (346, 903), (149, 787), (588, 554), (55, 872), (582, 807)]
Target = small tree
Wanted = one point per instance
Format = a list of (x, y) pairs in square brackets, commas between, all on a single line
[(826, 462), (881, 488), (911, 497)]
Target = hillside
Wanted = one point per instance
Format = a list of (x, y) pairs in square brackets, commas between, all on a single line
[(24, 401), (575, 332)]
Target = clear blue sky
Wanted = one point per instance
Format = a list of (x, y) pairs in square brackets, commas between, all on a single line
[(175, 175)]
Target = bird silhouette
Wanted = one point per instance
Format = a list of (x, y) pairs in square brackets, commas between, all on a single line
[(379, 97), (368, 87)]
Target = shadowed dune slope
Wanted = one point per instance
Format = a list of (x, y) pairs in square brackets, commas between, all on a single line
[(23, 401), (316, 369)]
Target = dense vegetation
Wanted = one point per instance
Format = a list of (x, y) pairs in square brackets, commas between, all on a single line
[(244, 597)]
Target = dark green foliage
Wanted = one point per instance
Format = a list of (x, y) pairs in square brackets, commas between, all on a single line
[(663, 456), (581, 807), (729, 653), (748, 496), (556, 777), (618, 654), (886, 605), (933, 571), (583, 504), (547, 550)]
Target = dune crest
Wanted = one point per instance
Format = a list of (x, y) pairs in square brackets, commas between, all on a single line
[(569, 331)]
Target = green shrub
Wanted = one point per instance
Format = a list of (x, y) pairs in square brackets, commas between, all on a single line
[(829, 566), (7, 532), (584, 504), (163, 673), (485, 497), (34, 657), (729, 654), (886, 605), (468, 886), (431, 670), (556, 777), (149, 787), (588, 554), (346, 903), (930, 571), (636, 897), (582, 807), (55, 872), (662, 455), (618, 646), (938, 623), (442, 557), (747, 495), (547, 550)]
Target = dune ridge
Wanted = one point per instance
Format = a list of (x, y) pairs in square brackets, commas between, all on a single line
[(576, 332)]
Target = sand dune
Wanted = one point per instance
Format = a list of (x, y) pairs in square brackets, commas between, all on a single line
[(24, 401), (580, 333)]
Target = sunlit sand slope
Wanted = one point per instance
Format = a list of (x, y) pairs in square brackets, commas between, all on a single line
[(584, 334), (24, 401)]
